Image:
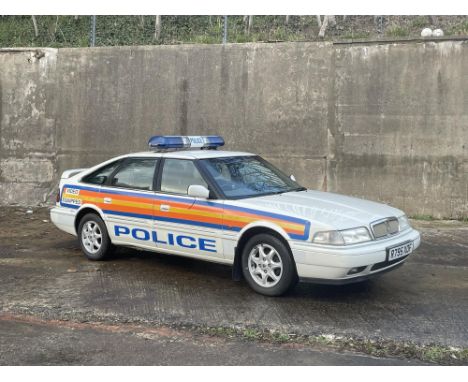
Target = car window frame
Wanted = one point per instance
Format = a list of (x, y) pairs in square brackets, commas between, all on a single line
[(108, 182), (214, 189), (117, 161)]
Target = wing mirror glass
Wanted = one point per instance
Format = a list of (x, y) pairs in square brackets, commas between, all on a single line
[(292, 177), (198, 191)]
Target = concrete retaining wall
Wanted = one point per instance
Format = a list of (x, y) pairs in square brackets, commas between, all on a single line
[(386, 122)]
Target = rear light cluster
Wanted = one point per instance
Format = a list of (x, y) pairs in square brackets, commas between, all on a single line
[(57, 198)]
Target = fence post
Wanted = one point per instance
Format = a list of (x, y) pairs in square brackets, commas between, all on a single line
[(93, 31), (225, 30)]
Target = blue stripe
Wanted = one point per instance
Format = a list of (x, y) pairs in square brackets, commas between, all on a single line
[(75, 207), (81, 187), (291, 219)]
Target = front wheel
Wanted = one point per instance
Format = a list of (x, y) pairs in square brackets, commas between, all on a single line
[(93, 236), (268, 266)]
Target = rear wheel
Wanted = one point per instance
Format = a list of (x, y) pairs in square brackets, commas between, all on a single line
[(93, 236), (268, 266)]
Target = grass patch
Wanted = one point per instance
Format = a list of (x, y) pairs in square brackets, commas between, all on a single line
[(221, 331), (397, 31), (431, 353), (252, 334), (428, 218), (280, 337), (460, 29), (434, 353), (204, 39)]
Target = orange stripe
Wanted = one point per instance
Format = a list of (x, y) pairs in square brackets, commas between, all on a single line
[(134, 210), (205, 219), (234, 223), (215, 220), (143, 199)]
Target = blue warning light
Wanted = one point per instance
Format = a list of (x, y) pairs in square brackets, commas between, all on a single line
[(163, 142)]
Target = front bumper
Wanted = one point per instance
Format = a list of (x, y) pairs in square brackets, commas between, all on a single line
[(331, 265)]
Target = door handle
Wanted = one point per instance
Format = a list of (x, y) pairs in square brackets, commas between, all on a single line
[(164, 207), (107, 200)]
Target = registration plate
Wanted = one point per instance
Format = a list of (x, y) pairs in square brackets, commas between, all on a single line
[(401, 250)]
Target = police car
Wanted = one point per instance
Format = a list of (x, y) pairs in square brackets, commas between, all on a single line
[(187, 198)]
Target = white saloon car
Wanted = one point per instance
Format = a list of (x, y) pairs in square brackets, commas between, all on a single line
[(187, 198)]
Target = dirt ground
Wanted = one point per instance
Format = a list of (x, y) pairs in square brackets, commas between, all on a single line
[(56, 307)]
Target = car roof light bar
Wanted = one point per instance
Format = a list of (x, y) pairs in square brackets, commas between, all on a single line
[(178, 142)]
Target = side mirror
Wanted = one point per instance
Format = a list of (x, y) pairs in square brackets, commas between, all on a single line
[(198, 191), (292, 177)]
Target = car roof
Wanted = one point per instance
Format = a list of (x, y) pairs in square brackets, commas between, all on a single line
[(189, 154)]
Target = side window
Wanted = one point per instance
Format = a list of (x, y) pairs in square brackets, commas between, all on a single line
[(135, 173), (178, 175), (100, 176)]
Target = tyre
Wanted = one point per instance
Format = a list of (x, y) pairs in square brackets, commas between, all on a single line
[(268, 266), (93, 237)]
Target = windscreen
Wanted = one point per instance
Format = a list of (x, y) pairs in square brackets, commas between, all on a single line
[(248, 176)]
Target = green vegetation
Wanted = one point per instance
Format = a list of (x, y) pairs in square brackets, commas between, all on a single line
[(61, 31), (397, 31), (252, 334), (432, 353), (280, 337), (356, 36), (432, 218), (419, 22), (74, 31), (459, 29), (19, 31)]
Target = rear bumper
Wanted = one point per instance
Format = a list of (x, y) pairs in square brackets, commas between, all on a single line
[(64, 219), (331, 265)]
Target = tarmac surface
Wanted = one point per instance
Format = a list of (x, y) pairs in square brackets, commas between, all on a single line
[(46, 342), (49, 291)]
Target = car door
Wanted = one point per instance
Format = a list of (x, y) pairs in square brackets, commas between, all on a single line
[(128, 198), (184, 224)]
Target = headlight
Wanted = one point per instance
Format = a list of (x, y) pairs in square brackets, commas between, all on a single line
[(328, 237), (348, 236), (403, 223), (355, 235)]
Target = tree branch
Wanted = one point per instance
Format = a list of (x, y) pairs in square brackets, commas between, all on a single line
[(324, 27), (157, 28), (36, 29), (319, 21)]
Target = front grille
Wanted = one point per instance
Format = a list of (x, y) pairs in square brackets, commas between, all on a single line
[(384, 228)]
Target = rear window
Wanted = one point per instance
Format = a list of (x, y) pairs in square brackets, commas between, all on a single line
[(101, 175)]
